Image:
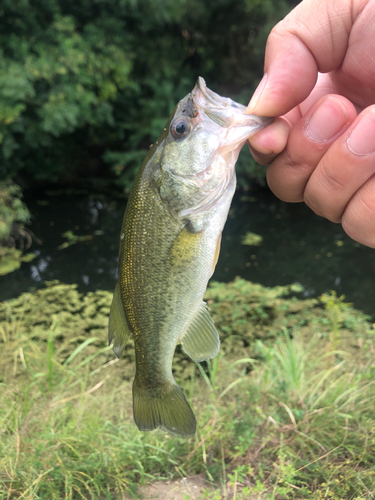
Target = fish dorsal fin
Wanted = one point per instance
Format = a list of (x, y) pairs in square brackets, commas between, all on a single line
[(118, 327), (201, 340)]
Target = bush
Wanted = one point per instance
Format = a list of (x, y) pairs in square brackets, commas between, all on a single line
[(86, 86)]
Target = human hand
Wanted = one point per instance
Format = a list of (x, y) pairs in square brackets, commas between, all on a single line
[(321, 150)]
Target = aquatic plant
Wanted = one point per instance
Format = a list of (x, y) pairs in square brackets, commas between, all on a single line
[(252, 239)]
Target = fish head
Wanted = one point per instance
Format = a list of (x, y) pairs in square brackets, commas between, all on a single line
[(204, 138)]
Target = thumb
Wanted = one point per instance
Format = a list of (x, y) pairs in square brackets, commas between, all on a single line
[(313, 37)]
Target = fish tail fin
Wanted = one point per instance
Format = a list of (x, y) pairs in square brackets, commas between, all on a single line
[(165, 407)]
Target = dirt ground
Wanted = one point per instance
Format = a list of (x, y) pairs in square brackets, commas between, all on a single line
[(187, 488)]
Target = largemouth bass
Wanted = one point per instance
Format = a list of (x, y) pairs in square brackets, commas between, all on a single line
[(169, 246)]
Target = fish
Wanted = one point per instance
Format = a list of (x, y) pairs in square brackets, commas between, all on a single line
[(169, 247)]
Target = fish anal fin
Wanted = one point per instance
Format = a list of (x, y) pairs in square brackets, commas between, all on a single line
[(165, 407), (201, 340), (118, 327)]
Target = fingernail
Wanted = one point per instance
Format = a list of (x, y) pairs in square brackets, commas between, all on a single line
[(258, 92), (328, 119), (362, 138)]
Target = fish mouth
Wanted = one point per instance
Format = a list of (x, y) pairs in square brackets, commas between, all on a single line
[(224, 111), (213, 99)]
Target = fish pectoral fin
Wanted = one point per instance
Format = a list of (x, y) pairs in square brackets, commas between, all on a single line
[(185, 246), (118, 327), (201, 340)]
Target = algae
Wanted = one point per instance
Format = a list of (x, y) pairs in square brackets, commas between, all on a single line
[(12, 258), (244, 313), (252, 239), (72, 239)]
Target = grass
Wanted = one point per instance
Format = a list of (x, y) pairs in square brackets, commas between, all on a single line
[(287, 415)]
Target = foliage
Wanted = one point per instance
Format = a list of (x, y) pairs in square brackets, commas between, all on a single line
[(12, 209), (12, 258), (92, 82), (13, 215), (294, 420)]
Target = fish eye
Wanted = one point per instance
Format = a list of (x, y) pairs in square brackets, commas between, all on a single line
[(180, 127)]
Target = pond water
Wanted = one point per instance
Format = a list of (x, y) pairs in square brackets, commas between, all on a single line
[(297, 246)]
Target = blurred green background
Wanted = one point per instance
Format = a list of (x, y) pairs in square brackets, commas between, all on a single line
[(86, 86)]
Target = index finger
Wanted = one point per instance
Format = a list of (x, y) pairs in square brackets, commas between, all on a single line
[(312, 38)]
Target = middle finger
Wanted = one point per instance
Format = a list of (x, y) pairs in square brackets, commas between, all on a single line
[(308, 141)]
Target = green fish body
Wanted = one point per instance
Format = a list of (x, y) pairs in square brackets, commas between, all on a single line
[(169, 246)]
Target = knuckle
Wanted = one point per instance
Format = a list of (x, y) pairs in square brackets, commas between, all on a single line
[(261, 158), (329, 177), (296, 164), (358, 220), (310, 202), (326, 194)]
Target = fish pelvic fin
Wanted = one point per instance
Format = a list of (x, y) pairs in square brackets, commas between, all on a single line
[(118, 327), (201, 340), (164, 407)]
